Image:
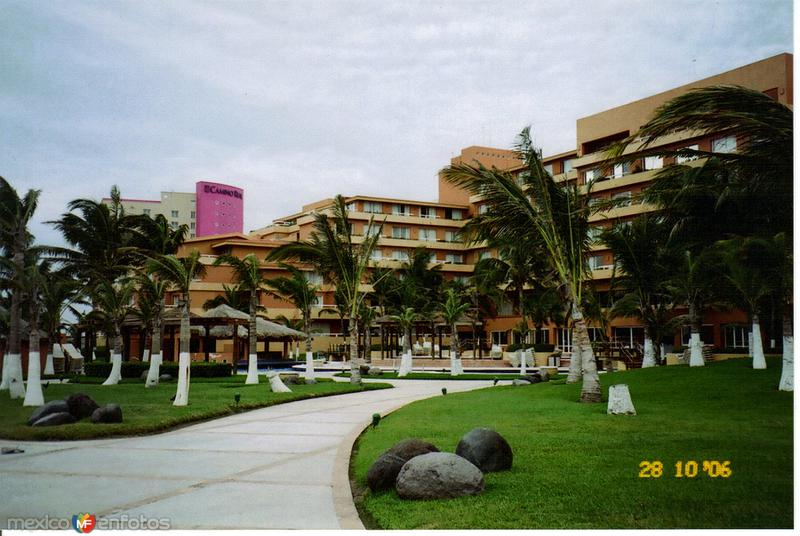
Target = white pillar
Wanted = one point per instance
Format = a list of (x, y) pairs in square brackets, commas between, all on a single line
[(116, 370), (252, 369), (696, 351), (182, 394), (34, 395), (309, 374)]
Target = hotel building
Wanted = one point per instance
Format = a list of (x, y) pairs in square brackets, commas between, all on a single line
[(435, 225)]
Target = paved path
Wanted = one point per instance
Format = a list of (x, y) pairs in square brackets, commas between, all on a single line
[(282, 467)]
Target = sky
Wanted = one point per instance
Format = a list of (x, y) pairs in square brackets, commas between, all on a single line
[(299, 101)]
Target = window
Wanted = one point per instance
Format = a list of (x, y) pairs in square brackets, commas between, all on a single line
[(592, 174), (373, 207), (568, 165), (684, 159), (653, 162), (427, 235), (350, 207), (450, 236), (191, 226), (455, 214), (400, 210), (427, 212), (371, 230), (622, 199), (376, 254), (174, 213), (736, 336), (484, 255), (594, 201), (173, 224), (629, 337), (549, 169), (191, 235), (620, 170), (193, 215), (454, 258), (594, 233), (596, 262), (146, 211), (483, 209), (725, 144), (595, 334), (403, 233), (499, 338), (564, 339), (541, 336), (399, 255)]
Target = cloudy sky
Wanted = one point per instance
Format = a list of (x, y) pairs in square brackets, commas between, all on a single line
[(297, 101)]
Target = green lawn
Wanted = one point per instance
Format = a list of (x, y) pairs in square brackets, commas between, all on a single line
[(150, 410), (576, 467)]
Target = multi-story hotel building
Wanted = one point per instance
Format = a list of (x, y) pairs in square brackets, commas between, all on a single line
[(212, 209), (408, 224)]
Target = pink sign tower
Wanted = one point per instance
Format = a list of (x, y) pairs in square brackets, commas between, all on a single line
[(220, 209)]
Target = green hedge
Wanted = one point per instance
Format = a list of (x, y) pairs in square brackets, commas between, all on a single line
[(134, 369)]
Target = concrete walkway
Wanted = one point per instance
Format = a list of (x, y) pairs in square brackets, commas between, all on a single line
[(283, 467)]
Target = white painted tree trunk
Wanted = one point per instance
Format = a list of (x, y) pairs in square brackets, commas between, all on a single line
[(182, 394), (276, 385), (759, 362), (55, 351), (662, 352), (405, 365), (146, 356), (33, 394), (522, 368), (16, 387), (310, 374), (154, 371), (787, 373), (116, 370), (649, 359), (696, 351), (252, 370), (4, 382), (750, 340)]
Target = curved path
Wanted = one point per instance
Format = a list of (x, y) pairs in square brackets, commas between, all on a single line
[(282, 467)]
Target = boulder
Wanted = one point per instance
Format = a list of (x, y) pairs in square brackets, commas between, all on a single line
[(109, 413), (487, 449), (534, 378), (54, 406), (363, 369), (619, 400), (81, 405), (55, 419), (290, 379), (165, 378), (544, 374), (521, 381), (438, 475), (375, 371), (383, 473)]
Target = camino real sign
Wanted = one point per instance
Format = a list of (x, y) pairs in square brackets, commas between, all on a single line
[(220, 208)]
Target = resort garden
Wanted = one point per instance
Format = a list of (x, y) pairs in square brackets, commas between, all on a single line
[(720, 236)]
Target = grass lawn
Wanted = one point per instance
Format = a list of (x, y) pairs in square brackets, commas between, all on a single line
[(440, 376), (150, 410), (577, 467)]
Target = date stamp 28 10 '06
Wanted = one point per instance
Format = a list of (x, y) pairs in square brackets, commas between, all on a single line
[(687, 469)]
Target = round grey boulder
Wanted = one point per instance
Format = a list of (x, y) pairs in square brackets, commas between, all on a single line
[(383, 473), (54, 406), (375, 371), (521, 381), (487, 449), (438, 475), (165, 378), (81, 405), (544, 374), (110, 413), (55, 419)]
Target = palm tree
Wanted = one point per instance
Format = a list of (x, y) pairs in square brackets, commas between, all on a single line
[(298, 291), (644, 258), (231, 296), (35, 277), (15, 241), (251, 280), (112, 303), (333, 253), (452, 310), (538, 210), (406, 320), (150, 309), (179, 273), (157, 235), (59, 292)]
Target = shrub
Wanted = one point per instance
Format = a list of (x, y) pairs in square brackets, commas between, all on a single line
[(134, 369), (103, 353)]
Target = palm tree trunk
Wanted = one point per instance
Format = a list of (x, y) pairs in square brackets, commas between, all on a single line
[(695, 344), (147, 341), (590, 390), (523, 319), (12, 362), (406, 360), (48, 363), (575, 365), (155, 359), (355, 372), (649, 359), (309, 375), (759, 362), (455, 357), (116, 358), (787, 373), (252, 358), (33, 394), (184, 361)]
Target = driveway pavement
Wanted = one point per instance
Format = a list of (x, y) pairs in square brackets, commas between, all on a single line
[(282, 467)]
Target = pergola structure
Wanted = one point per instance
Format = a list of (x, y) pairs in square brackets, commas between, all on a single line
[(391, 333)]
